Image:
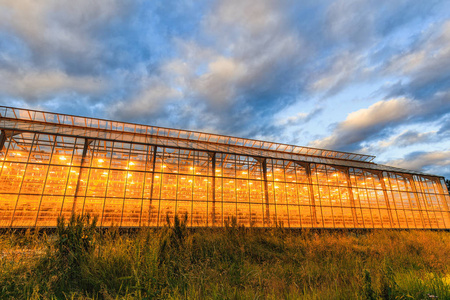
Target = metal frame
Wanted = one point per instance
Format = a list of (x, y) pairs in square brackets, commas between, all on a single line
[(134, 175)]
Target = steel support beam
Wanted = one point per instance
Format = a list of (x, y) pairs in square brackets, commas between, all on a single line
[(416, 195), (310, 190), (263, 163), (442, 196), (2, 139), (386, 197), (87, 142), (155, 149), (350, 194), (213, 167)]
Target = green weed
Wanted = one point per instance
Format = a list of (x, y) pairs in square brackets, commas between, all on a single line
[(80, 261)]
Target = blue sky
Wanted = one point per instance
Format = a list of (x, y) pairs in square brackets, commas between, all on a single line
[(361, 76)]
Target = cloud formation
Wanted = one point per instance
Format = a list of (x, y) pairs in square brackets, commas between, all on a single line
[(368, 124), (434, 162), (32, 85)]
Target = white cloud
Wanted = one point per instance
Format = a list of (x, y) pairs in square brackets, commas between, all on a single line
[(351, 20), (407, 138), (59, 32), (31, 84), (366, 123), (299, 118), (428, 60), (148, 101), (437, 162), (346, 68)]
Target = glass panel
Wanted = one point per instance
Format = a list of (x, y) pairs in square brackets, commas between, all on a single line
[(131, 213), (11, 177), (33, 182), (26, 211), (7, 204), (257, 215), (49, 211)]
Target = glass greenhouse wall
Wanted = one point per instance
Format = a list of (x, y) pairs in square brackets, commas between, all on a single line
[(130, 175)]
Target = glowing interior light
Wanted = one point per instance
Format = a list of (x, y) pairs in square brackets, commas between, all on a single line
[(100, 160), (164, 166), (131, 163), (62, 158), (18, 154), (191, 168), (183, 178), (105, 173), (189, 180), (244, 172), (156, 176), (217, 171), (129, 175)]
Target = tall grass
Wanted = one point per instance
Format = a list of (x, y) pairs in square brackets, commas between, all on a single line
[(80, 261)]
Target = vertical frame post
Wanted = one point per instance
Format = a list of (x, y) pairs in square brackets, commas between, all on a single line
[(307, 167), (410, 178), (213, 167), (2, 139), (386, 197), (266, 190), (350, 195), (87, 142), (151, 186), (442, 196)]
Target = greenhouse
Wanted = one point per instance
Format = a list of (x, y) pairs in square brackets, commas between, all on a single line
[(131, 175)]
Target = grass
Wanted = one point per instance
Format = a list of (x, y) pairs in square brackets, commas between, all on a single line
[(79, 261)]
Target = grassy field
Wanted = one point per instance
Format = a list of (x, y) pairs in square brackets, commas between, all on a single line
[(78, 261)]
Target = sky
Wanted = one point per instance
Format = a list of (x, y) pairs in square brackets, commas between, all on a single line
[(369, 77)]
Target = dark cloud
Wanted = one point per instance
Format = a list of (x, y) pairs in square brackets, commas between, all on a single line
[(435, 162), (236, 83), (381, 120), (426, 80)]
